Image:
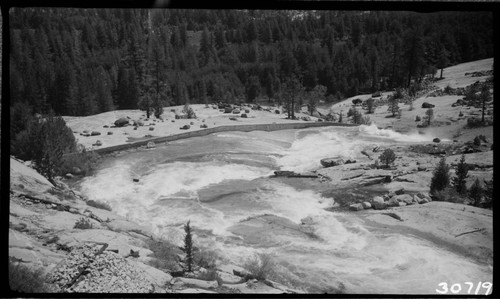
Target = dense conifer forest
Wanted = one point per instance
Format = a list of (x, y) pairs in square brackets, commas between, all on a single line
[(75, 61)]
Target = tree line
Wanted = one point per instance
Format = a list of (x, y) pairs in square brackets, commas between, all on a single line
[(73, 61)]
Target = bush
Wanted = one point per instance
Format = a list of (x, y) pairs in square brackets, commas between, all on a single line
[(206, 258), (441, 177), (83, 223), (99, 204), (260, 266), (210, 275), (448, 194), (164, 254), (417, 118), (24, 280), (473, 122), (387, 157), (85, 161)]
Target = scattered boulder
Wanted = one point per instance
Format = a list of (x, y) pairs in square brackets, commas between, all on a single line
[(277, 111), (247, 110), (425, 196), (135, 128), (191, 123), (330, 162), (228, 110), (98, 143), (421, 168), (349, 161), (356, 207), (203, 126), (244, 115), (427, 105), (366, 205), (121, 122), (232, 118), (105, 126), (399, 191), (406, 198), (138, 123), (418, 199), (150, 128), (436, 140), (185, 127), (69, 175), (236, 111), (305, 118), (110, 133), (151, 144), (76, 170), (135, 180), (379, 205), (377, 199), (402, 204), (393, 202)]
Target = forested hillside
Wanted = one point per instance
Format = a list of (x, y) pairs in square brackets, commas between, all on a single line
[(86, 61)]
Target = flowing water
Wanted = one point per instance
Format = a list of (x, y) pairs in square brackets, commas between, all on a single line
[(221, 184)]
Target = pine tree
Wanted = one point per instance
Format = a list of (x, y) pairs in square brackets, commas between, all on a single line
[(188, 247), (441, 178), (370, 105), (476, 193), (387, 157), (393, 103), (460, 176), (485, 96)]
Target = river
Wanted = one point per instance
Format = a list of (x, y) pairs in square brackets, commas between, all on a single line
[(221, 184)]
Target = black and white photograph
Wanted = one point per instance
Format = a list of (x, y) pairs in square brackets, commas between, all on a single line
[(170, 150)]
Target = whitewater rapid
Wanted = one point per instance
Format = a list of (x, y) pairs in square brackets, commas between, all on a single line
[(221, 184)]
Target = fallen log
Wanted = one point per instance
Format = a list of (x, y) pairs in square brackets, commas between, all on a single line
[(470, 232)]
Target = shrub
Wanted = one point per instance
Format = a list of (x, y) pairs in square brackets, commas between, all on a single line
[(99, 205), (260, 266), (417, 118), (393, 104), (85, 161), (448, 194), (441, 178), (473, 122), (210, 275), (24, 280), (206, 258), (387, 157), (164, 254), (83, 223), (460, 176)]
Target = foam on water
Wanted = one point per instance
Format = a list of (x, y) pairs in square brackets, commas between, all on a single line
[(373, 130), (305, 153)]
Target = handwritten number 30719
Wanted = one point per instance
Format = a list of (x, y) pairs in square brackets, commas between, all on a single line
[(457, 288)]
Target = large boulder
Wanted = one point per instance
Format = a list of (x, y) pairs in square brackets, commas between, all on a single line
[(95, 133), (427, 105), (356, 207), (418, 200), (330, 162), (121, 122)]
